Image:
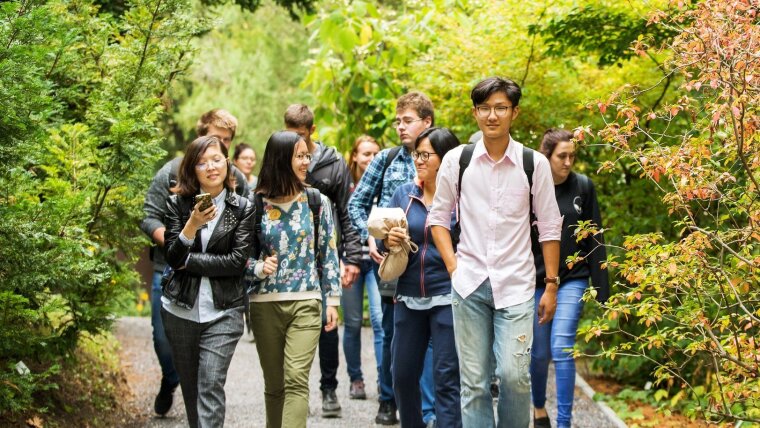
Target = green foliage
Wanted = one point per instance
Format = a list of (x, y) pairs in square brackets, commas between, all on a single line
[(117, 7), (356, 69), (79, 142), (604, 31), (250, 64)]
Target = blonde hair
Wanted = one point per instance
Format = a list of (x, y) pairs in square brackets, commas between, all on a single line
[(217, 117), (352, 165)]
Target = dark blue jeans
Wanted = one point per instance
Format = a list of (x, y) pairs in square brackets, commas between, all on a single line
[(352, 301), (160, 342), (329, 342), (385, 375), (555, 341), (414, 329)]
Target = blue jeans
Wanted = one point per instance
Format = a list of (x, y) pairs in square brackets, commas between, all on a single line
[(160, 342), (352, 301), (554, 341), (414, 328), (480, 330), (386, 378)]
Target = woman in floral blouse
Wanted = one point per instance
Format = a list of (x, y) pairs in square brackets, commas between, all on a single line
[(286, 300)]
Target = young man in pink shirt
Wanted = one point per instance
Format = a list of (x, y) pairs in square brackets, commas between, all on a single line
[(492, 272)]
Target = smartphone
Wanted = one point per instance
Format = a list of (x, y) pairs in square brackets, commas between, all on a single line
[(205, 200)]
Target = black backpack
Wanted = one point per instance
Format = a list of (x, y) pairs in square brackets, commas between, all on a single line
[(315, 204), (464, 162)]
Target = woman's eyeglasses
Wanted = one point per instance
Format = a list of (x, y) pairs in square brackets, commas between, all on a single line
[(302, 156), (214, 163), (422, 155)]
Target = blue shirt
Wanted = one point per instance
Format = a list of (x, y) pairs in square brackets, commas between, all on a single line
[(400, 171)]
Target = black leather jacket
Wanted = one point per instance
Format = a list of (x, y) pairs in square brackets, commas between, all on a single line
[(223, 262)]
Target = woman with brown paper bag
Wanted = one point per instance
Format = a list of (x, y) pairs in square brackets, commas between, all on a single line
[(423, 309), (381, 221)]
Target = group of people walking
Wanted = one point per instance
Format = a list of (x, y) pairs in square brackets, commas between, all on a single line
[(486, 298)]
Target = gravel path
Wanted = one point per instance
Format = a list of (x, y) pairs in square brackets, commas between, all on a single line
[(245, 387)]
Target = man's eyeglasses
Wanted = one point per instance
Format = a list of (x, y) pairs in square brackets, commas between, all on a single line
[(302, 156), (406, 121), (422, 155), (214, 163), (485, 111)]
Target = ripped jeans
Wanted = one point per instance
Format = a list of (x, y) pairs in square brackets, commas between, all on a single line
[(479, 330)]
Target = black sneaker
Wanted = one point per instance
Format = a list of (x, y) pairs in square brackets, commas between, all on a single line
[(330, 405), (542, 422), (386, 415), (164, 398)]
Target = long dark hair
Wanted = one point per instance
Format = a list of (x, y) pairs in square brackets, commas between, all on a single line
[(442, 140), (277, 178), (187, 177)]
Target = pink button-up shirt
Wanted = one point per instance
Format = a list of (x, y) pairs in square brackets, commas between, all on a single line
[(495, 237)]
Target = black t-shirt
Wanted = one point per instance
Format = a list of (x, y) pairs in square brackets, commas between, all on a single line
[(577, 202)]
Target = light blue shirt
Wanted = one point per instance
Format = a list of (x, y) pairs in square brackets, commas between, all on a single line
[(425, 303)]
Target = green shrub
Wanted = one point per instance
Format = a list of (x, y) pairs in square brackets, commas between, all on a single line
[(82, 94)]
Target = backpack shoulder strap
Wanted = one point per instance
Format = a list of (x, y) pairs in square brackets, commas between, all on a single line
[(258, 206), (464, 162), (584, 186), (528, 167), (315, 205), (392, 154)]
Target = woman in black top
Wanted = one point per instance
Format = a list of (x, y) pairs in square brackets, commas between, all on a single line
[(576, 198)]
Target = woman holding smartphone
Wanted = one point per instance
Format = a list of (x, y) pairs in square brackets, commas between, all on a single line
[(295, 275), (203, 304)]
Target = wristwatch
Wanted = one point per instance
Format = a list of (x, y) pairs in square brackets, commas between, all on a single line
[(553, 280)]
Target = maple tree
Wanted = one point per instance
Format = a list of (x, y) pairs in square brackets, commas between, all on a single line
[(696, 298)]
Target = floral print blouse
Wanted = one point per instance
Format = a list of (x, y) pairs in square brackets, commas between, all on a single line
[(288, 231)]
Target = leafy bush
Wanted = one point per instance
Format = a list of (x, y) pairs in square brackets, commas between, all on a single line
[(695, 299), (82, 91)]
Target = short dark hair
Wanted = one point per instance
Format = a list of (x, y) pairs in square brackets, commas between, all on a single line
[(298, 115), (418, 102), (277, 177), (487, 87), (187, 177), (240, 148), (442, 140), (218, 117), (552, 137)]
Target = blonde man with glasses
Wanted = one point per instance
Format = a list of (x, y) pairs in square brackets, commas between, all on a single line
[(390, 169)]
